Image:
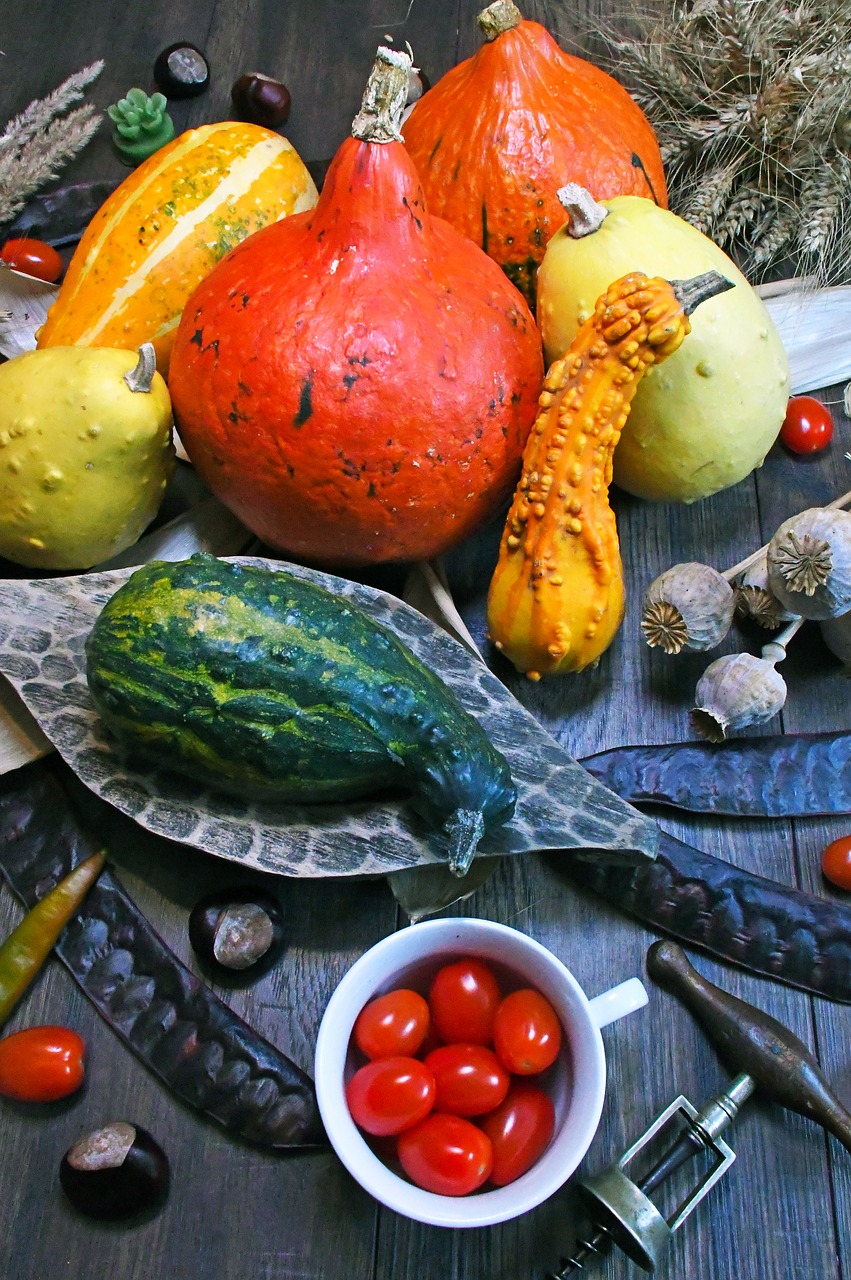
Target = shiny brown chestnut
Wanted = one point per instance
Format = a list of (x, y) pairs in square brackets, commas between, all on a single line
[(181, 71), (115, 1172), (237, 930), (261, 100)]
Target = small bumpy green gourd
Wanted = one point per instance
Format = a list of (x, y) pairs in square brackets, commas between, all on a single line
[(85, 453), (262, 684)]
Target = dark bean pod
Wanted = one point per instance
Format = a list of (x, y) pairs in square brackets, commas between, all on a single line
[(765, 927), (115, 1172), (189, 1038), (781, 776)]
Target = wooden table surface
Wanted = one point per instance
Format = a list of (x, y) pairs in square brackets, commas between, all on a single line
[(784, 1212)]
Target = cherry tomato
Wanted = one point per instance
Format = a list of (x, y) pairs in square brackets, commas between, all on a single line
[(469, 1079), (463, 999), (807, 426), (33, 258), (41, 1064), (392, 1025), (836, 862), (390, 1094), (520, 1131), (526, 1032), (446, 1154)]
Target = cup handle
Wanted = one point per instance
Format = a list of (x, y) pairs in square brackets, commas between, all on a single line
[(619, 1001)]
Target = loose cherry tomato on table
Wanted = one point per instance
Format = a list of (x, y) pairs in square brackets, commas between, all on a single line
[(807, 426), (463, 999), (446, 1154), (520, 1131), (526, 1032), (836, 862), (469, 1079), (33, 258), (392, 1025), (390, 1094), (41, 1064)]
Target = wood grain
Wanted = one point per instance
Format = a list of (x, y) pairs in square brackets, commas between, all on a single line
[(784, 1212)]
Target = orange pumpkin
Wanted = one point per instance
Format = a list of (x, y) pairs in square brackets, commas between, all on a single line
[(498, 135), (357, 383)]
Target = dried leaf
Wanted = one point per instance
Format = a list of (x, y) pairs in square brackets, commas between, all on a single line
[(815, 328), (427, 589), (24, 303)]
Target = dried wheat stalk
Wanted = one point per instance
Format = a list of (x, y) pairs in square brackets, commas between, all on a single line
[(751, 102), (36, 143)]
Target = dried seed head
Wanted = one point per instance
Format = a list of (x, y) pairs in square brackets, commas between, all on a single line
[(756, 600), (809, 563), (689, 606), (836, 633), (734, 692)]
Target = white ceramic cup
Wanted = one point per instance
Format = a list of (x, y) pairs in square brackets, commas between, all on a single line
[(576, 1083)]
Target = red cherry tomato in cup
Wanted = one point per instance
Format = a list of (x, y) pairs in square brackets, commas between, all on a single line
[(392, 1025), (807, 426), (526, 1032), (463, 999), (520, 1131), (41, 1064), (836, 862), (33, 258), (390, 1094), (446, 1154), (469, 1079)]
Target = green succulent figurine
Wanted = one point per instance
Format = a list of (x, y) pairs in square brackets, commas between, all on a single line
[(141, 125)]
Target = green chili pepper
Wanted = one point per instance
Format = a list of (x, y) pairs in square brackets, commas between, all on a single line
[(27, 947)]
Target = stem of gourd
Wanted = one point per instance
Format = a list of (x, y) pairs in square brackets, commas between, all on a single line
[(499, 17), (730, 574), (465, 829), (384, 98), (141, 377)]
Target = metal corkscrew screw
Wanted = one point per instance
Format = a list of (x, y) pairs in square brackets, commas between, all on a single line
[(765, 1054)]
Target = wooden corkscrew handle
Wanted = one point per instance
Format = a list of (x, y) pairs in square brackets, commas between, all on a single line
[(751, 1041)]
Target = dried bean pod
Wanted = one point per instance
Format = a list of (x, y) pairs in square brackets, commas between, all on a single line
[(763, 926), (192, 1041), (780, 776)]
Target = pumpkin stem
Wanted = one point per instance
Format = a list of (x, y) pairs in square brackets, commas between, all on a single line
[(499, 17), (384, 99), (585, 214), (141, 378), (465, 829), (690, 293)]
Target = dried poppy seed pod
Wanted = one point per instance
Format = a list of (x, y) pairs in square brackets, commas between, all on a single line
[(736, 691), (836, 633), (809, 563), (756, 600), (689, 606)]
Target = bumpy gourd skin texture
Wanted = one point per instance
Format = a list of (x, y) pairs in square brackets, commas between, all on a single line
[(707, 419), (263, 684), (84, 461), (357, 383), (556, 598), (165, 227), (496, 137)]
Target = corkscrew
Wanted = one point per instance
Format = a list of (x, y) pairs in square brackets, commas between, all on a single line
[(764, 1054)]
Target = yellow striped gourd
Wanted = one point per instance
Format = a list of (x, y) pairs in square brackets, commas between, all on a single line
[(165, 228)]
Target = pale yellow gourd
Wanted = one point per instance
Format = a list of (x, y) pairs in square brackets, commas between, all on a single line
[(85, 453)]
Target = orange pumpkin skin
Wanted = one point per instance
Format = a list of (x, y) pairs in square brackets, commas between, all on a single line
[(357, 382), (501, 132)]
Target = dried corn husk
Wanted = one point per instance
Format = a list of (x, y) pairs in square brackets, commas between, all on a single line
[(815, 328), (24, 303)]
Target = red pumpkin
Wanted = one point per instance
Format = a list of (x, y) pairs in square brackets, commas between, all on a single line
[(357, 382), (501, 132)]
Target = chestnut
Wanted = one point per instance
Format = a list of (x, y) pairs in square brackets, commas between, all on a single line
[(261, 100), (115, 1172), (237, 930), (181, 71)]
